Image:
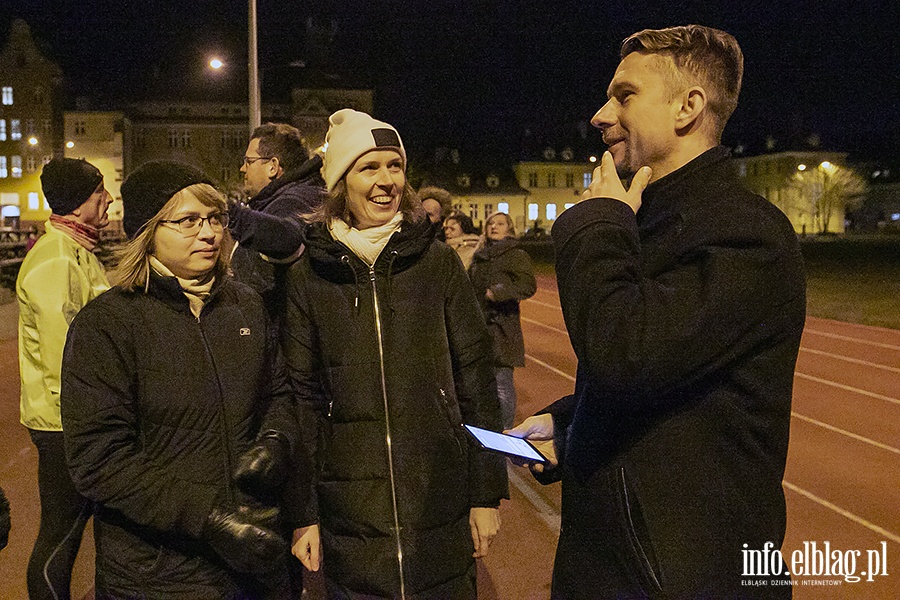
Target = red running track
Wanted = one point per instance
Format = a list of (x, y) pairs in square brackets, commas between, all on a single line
[(842, 481)]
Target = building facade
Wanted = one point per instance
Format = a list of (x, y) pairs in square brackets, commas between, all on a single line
[(30, 120), (798, 183), (99, 138)]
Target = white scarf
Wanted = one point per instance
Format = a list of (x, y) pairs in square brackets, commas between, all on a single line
[(368, 243), (196, 290)]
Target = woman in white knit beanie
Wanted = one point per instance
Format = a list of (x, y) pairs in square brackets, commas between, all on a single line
[(388, 355)]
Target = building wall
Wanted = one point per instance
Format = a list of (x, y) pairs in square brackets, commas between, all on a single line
[(29, 90), (772, 176), (98, 137), (552, 187)]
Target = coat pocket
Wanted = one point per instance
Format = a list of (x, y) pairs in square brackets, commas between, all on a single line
[(644, 564)]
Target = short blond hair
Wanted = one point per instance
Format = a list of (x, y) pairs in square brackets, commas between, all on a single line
[(701, 55)]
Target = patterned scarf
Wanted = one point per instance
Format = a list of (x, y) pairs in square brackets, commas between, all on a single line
[(85, 235)]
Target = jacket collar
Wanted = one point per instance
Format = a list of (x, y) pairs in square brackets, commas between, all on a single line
[(335, 262), (308, 173), (168, 291)]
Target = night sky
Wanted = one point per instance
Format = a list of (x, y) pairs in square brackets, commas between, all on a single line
[(489, 76)]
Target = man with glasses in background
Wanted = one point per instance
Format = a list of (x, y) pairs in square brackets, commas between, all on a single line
[(283, 184)]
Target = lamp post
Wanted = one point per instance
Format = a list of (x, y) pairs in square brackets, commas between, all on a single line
[(253, 67)]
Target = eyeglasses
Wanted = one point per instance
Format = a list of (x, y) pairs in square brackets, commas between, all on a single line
[(192, 224), (249, 160)]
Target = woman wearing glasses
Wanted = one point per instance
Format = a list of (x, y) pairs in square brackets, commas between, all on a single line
[(173, 390)]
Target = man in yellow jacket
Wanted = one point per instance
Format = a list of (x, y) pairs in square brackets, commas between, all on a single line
[(59, 276)]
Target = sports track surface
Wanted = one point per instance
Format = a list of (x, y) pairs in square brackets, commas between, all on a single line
[(842, 482)]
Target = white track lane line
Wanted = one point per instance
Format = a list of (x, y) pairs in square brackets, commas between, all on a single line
[(847, 338), (855, 361), (843, 512), (846, 387), (849, 434), (545, 511)]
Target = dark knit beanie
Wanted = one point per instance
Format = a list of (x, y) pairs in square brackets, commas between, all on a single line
[(68, 183), (150, 187)]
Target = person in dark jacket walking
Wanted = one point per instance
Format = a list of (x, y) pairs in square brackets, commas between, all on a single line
[(684, 301), (503, 276), (388, 355), (284, 184), (178, 418)]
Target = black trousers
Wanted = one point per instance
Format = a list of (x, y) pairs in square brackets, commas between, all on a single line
[(64, 513)]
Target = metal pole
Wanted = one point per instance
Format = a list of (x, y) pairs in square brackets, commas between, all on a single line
[(253, 67)]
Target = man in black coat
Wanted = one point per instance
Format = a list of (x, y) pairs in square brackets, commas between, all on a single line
[(684, 298), (284, 184)]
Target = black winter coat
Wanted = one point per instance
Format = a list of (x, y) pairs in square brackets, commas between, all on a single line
[(269, 231), (157, 406), (686, 322), (506, 270), (397, 352)]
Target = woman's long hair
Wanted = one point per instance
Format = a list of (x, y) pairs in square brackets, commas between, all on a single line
[(132, 271)]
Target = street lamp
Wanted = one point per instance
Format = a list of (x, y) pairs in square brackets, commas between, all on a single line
[(216, 63), (253, 67)]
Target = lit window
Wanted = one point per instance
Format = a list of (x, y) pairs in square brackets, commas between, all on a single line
[(16, 166), (34, 201), (532, 212), (2, 130), (15, 129), (586, 180), (551, 212), (503, 207), (568, 205), (7, 95), (3, 171)]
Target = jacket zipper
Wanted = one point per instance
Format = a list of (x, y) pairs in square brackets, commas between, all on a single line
[(387, 427), (225, 437)]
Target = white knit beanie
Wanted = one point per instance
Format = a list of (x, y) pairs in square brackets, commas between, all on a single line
[(350, 135)]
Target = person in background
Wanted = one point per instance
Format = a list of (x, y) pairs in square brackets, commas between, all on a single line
[(284, 184), (503, 276), (437, 203), (59, 276), (684, 298), (388, 356), (179, 423), (461, 235)]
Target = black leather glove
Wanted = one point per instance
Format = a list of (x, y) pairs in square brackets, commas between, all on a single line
[(262, 470), (244, 538)]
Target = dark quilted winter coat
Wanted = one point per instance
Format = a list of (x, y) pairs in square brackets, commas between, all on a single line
[(395, 352)]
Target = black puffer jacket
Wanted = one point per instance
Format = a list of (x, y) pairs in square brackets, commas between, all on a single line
[(269, 231), (157, 405), (506, 270), (414, 380)]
